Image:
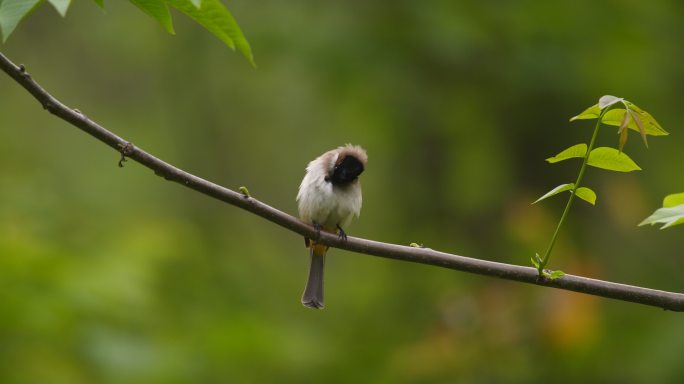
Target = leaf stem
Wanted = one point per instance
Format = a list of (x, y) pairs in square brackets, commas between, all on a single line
[(544, 260)]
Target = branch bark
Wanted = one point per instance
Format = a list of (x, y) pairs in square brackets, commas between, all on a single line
[(652, 297)]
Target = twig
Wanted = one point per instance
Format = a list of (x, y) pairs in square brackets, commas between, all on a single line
[(663, 299)]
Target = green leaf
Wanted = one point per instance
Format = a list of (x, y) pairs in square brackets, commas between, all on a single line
[(555, 191), (158, 10), (536, 260), (612, 160), (578, 150), (554, 274), (211, 14), (650, 121), (668, 216), (218, 20), (244, 191), (12, 12), (592, 112), (671, 200), (586, 194), (61, 6), (671, 214), (615, 117)]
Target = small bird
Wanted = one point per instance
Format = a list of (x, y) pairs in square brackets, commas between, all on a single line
[(329, 197)]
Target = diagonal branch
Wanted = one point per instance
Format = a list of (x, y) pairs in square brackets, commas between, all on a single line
[(663, 299)]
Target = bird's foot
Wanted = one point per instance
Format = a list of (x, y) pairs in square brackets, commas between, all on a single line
[(341, 234), (317, 227)]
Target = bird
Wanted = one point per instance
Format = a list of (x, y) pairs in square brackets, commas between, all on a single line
[(329, 198)]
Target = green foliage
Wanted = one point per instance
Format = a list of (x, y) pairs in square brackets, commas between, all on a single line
[(553, 275), (609, 110), (578, 150), (244, 191), (631, 116), (211, 14), (583, 193), (667, 216), (537, 262), (611, 159), (603, 157), (158, 10), (592, 112), (586, 194), (12, 12), (671, 214), (652, 127), (555, 191), (61, 6), (673, 200)]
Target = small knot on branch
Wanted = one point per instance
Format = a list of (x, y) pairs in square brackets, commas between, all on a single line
[(126, 150), (22, 70), (167, 176), (80, 114)]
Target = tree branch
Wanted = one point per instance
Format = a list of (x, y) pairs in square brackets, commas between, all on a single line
[(663, 299)]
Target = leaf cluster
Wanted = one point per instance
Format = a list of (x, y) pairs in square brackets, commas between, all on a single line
[(671, 214), (210, 14), (625, 116), (609, 110), (621, 113)]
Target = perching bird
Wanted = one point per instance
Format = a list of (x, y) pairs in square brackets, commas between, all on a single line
[(329, 197)]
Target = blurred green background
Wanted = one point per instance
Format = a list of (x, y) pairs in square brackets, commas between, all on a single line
[(112, 275)]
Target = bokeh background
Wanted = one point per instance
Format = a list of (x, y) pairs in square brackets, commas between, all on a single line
[(113, 275)]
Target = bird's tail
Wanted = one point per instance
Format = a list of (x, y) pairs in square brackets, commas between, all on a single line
[(313, 293)]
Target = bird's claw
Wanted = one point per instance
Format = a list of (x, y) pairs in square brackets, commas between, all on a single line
[(317, 227), (341, 234)]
